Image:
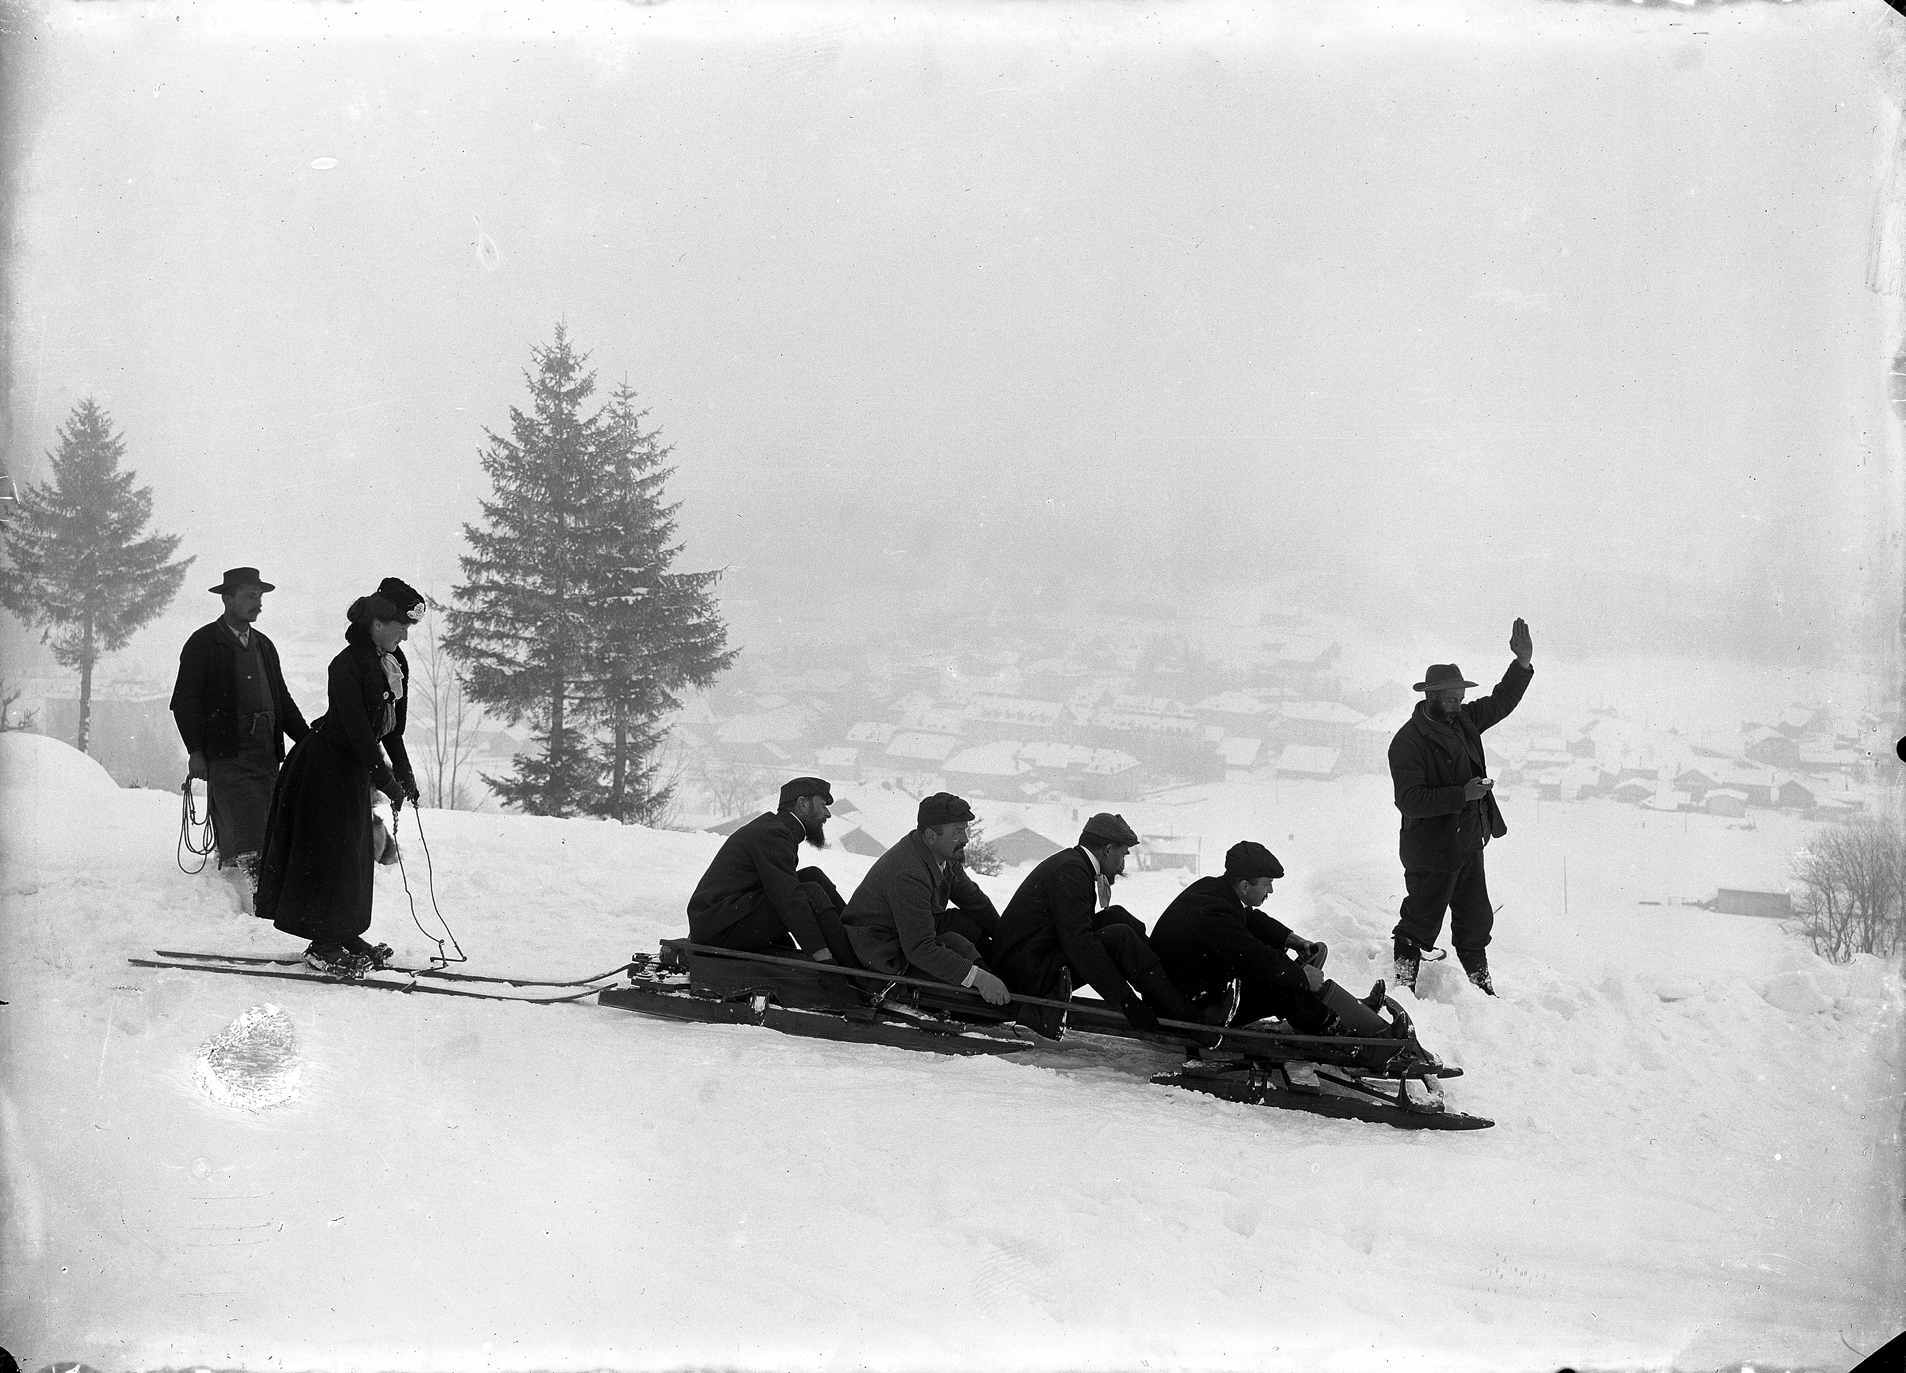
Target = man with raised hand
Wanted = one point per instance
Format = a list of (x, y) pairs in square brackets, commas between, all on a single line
[(234, 713), (1061, 929), (1449, 813), (754, 899)]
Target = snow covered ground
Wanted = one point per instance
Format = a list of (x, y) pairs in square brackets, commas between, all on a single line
[(1697, 1156)]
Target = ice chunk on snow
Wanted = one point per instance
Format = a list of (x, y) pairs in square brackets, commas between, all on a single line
[(1796, 992), (252, 1063)]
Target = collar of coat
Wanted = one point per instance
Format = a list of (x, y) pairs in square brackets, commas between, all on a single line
[(1454, 738)]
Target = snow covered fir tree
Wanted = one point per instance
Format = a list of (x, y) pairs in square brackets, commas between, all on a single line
[(571, 615), (80, 565)]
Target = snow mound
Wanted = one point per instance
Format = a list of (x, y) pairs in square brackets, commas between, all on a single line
[(33, 760), (1796, 992)]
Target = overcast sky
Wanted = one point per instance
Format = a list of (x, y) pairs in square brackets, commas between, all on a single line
[(1554, 309)]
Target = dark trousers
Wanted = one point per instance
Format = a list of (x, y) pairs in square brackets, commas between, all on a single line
[(1122, 936), (762, 930), (974, 928), (1464, 893), (239, 790), (1297, 1007)]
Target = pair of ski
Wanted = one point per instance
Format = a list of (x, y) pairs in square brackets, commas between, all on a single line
[(390, 979)]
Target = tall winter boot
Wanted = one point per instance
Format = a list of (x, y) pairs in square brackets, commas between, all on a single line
[(1349, 1016), (243, 875), (1408, 956), (1476, 964)]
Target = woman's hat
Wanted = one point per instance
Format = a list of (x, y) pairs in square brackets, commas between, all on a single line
[(407, 598)]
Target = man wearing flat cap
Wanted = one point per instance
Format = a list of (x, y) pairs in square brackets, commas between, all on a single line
[(1061, 929), (234, 713), (1213, 932), (1448, 805), (899, 920), (754, 898)]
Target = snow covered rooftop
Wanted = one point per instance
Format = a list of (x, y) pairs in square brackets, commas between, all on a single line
[(931, 748), (1308, 760), (1000, 759), (1321, 712), (1239, 752)]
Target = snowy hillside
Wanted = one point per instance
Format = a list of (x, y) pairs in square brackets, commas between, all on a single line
[(1696, 1161)]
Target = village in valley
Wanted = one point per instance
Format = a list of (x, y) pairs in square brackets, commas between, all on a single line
[(1127, 709), (1142, 717)]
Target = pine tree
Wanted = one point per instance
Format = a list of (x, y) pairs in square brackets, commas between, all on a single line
[(80, 566), (521, 623), (570, 617), (657, 631)]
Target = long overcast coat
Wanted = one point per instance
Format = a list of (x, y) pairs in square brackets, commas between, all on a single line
[(757, 862), (205, 695), (896, 919), (1050, 924), (316, 872), (1429, 766)]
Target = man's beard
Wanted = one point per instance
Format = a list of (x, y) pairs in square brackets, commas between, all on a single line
[(1446, 710), (816, 831)]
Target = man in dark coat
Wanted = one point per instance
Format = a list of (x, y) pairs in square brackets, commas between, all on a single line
[(1213, 932), (234, 714), (754, 899), (899, 919), (1060, 929), (1446, 797)]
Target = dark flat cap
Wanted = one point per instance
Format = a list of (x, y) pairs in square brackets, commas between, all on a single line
[(794, 790), (1247, 861), (944, 808), (1107, 828)]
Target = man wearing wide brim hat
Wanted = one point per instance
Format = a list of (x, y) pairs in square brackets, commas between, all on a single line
[(234, 713), (1448, 804)]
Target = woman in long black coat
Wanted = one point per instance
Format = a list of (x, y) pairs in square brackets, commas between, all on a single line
[(318, 863)]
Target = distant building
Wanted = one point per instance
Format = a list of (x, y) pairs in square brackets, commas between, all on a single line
[(857, 840), (1773, 905), (1326, 723), (988, 770), (1797, 720), (1773, 748), (1239, 754), (839, 763), (1756, 786), (1161, 852), (1022, 845), (1725, 801), (922, 748), (1694, 781), (1308, 760), (1793, 794)]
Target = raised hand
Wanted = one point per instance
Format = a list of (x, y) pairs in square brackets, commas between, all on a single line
[(1520, 643)]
